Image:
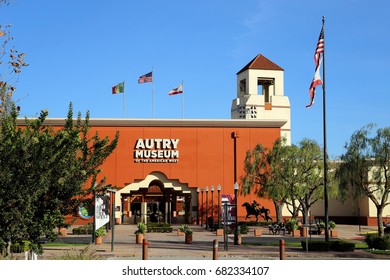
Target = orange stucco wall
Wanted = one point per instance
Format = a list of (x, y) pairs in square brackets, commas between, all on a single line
[(206, 156)]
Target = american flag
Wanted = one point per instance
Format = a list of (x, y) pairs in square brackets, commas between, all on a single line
[(317, 60), (147, 78)]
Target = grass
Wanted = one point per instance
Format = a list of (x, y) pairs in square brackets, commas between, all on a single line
[(275, 244), (379, 252), (88, 253), (55, 244)]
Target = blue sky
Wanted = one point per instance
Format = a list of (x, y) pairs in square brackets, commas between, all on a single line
[(77, 50)]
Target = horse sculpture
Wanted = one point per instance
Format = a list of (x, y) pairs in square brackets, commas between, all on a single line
[(253, 209)]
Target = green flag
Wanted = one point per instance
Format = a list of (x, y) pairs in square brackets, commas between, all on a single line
[(119, 88)]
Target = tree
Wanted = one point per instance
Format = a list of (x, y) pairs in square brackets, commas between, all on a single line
[(365, 168), (257, 173), (310, 170), (11, 64), (289, 175), (43, 174)]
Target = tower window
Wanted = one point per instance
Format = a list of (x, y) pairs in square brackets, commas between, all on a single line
[(243, 87), (264, 85)]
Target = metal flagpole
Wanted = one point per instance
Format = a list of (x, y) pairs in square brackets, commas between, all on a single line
[(182, 100), (152, 93), (325, 149), (124, 100)]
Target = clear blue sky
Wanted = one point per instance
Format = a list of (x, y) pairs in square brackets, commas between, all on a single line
[(77, 50)]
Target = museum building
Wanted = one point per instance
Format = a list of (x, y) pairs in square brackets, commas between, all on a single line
[(184, 170), (180, 170)]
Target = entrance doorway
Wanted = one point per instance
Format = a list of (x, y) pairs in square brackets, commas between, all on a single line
[(156, 200)]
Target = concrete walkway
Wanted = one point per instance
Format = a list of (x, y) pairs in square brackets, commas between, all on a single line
[(167, 246)]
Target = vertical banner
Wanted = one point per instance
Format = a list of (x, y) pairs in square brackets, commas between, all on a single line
[(228, 213), (102, 210)]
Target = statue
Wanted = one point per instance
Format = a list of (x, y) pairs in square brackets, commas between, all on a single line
[(253, 209)]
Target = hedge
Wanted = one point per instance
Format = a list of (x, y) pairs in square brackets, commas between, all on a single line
[(159, 227), (337, 245), (375, 242)]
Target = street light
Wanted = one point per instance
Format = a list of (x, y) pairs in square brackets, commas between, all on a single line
[(201, 212), (212, 208), (207, 206), (197, 209), (219, 205), (235, 202)]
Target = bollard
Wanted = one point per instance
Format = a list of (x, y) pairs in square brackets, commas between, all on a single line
[(281, 250), (145, 245), (215, 249)]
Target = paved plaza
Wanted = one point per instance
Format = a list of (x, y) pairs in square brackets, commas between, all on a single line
[(171, 246)]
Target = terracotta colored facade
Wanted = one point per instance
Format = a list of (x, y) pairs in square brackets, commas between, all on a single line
[(156, 159)]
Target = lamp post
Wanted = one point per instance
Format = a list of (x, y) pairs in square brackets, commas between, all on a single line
[(207, 206), (212, 208), (236, 212), (219, 205), (201, 210), (197, 209)]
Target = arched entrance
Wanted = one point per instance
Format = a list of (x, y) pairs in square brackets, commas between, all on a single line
[(156, 199)]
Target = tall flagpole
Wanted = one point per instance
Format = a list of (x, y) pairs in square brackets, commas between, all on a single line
[(124, 100), (325, 149), (152, 92), (182, 100)]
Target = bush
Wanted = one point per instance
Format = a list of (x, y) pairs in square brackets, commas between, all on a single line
[(88, 253), (375, 242), (332, 225), (320, 245), (159, 227), (342, 246), (316, 245), (141, 228), (20, 247), (243, 228), (291, 225), (85, 229), (101, 231), (185, 229)]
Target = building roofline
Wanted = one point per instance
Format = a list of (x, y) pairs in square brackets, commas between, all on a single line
[(262, 63), (107, 122)]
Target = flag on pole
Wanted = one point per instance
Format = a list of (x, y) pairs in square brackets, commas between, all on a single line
[(147, 78), (119, 88), (176, 90), (317, 60)]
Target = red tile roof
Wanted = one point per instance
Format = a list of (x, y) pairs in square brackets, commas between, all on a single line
[(261, 62)]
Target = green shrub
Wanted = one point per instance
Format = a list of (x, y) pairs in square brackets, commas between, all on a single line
[(291, 225), (332, 224), (101, 231), (375, 242), (342, 246), (88, 253), (85, 229), (159, 227), (316, 245), (141, 228), (20, 247), (185, 229), (321, 245), (255, 224), (243, 228)]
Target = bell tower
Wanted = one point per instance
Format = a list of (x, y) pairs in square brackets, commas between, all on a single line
[(260, 94)]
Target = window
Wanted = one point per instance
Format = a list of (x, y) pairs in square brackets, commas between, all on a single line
[(243, 87), (263, 87)]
